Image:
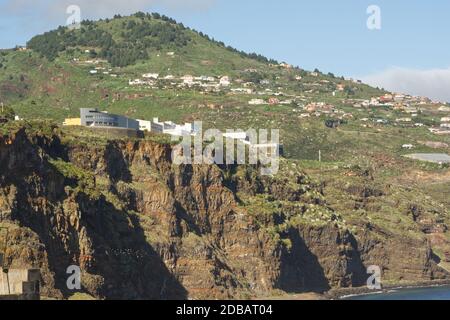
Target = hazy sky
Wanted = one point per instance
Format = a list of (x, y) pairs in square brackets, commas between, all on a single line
[(410, 53)]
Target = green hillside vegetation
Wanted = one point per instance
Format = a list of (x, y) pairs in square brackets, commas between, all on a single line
[(52, 80), (123, 41)]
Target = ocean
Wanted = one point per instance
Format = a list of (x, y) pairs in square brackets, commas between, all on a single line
[(433, 293)]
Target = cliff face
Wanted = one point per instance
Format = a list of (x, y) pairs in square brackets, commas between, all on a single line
[(142, 228)]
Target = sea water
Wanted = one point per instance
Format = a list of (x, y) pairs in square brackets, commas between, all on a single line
[(433, 293)]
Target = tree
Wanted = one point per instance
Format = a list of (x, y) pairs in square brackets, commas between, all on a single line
[(140, 15), (349, 91)]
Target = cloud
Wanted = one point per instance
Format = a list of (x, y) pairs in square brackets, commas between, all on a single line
[(433, 83)]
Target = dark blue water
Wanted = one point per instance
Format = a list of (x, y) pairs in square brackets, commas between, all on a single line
[(435, 293)]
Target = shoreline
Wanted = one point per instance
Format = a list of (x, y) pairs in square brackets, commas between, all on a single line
[(344, 293)]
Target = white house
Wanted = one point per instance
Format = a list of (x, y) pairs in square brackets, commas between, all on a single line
[(374, 102), (255, 102), (171, 128), (188, 80), (154, 76), (145, 125), (445, 119), (225, 81)]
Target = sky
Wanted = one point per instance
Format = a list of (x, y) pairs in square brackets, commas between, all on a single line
[(409, 53)]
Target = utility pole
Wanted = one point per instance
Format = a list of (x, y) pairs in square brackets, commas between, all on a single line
[(320, 155)]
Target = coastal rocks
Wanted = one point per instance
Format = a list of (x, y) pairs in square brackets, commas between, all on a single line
[(321, 258), (140, 227), (400, 258)]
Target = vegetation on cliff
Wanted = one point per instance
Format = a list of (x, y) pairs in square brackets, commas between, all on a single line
[(120, 208)]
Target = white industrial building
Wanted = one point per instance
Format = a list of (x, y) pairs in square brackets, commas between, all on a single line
[(167, 127)]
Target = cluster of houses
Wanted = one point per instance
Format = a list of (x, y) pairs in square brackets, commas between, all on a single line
[(397, 101), (206, 82), (93, 118), (215, 84), (444, 127), (96, 66), (322, 107), (445, 122), (318, 109), (411, 106), (168, 127), (270, 101)]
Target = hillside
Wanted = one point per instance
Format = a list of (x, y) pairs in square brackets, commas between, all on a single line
[(52, 79), (60, 62)]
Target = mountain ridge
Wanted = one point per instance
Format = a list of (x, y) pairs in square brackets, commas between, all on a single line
[(141, 228), (144, 49)]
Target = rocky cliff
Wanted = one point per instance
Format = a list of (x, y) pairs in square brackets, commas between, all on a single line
[(140, 227)]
